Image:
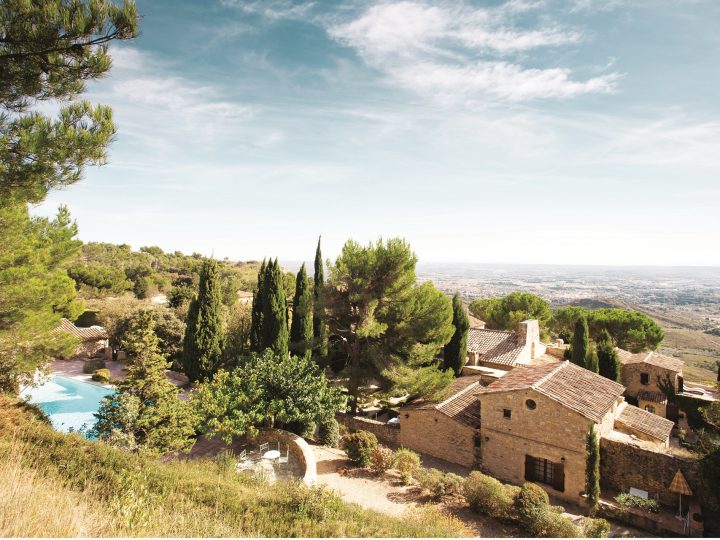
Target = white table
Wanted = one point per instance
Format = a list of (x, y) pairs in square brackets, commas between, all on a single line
[(271, 455)]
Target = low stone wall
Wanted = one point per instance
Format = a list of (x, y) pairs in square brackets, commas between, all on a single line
[(299, 450), (388, 434), (624, 465)]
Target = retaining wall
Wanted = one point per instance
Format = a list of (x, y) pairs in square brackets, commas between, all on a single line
[(299, 450), (388, 434)]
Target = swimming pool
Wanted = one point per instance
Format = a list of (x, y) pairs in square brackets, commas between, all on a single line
[(70, 404)]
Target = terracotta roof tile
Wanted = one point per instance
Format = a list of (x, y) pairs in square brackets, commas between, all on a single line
[(655, 397), (576, 388), (653, 358), (496, 346), (462, 405), (645, 422), (94, 333)]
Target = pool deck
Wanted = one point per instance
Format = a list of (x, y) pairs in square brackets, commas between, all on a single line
[(73, 369)]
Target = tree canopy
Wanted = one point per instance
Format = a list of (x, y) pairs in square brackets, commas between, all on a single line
[(204, 334), (301, 330), (320, 339), (630, 330), (455, 353), (167, 327), (267, 389), (390, 327), (506, 312), (608, 359), (580, 346), (48, 50)]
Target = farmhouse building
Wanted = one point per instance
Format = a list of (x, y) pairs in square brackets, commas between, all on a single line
[(93, 340), (503, 350)]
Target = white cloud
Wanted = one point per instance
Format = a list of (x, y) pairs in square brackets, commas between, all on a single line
[(271, 9), (452, 51)]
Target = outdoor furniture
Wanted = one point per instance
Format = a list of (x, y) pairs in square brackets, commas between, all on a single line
[(283, 460), (680, 486), (271, 455), (639, 492), (264, 447)]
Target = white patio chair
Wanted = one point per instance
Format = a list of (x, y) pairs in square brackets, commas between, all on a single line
[(283, 460), (264, 447)]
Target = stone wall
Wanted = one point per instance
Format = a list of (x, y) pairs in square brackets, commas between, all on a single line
[(388, 434), (631, 378), (300, 451), (624, 465), (431, 432)]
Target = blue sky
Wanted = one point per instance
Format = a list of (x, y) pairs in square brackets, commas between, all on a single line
[(520, 131)]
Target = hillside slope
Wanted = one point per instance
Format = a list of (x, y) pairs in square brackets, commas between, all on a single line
[(52, 484)]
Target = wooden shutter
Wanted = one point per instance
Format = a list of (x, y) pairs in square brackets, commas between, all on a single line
[(529, 468), (559, 476)]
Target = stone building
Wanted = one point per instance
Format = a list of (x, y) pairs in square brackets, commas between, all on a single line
[(446, 430), (534, 422), (93, 340), (641, 375), (502, 350)]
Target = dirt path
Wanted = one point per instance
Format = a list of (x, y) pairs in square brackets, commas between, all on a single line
[(358, 486)]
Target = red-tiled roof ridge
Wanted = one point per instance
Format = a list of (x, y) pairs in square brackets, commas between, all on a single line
[(461, 392), (541, 380)]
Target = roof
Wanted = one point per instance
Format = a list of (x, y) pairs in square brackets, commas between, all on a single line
[(496, 346), (645, 422), (462, 405), (576, 388), (475, 322), (652, 358), (93, 333), (654, 397)]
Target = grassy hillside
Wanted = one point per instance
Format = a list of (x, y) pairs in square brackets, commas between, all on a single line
[(53, 484), (699, 350)]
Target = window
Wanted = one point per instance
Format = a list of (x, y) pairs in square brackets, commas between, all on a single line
[(545, 471), (507, 413), (650, 408), (530, 404), (644, 378)]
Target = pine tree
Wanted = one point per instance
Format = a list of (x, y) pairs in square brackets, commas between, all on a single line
[(256, 326), (456, 349), (301, 330), (275, 329), (146, 411), (608, 360), (592, 469), (580, 343), (320, 338), (204, 337)]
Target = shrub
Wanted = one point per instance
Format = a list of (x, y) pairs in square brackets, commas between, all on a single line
[(431, 480), (381, 459), (312, 502), (531, 502), (486, 495), (453, 484), (329, 433), (358, 447), (595, 528), (92, 365), (548, 524), (626, 501), (225, 461), (101, 375), (407, 463)]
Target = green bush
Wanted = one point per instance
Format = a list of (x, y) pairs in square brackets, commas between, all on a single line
[(548, 524), (486, 495), (381, 459), (101, 375), (531, 503), (407, 463), (312, 502), (439, 483), (453, 484), (359, 446), (329, 433), (627, 501), (225, 461), (595, 528), (92, 365)]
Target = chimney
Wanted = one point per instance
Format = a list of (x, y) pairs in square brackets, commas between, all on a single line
[(528, 332)]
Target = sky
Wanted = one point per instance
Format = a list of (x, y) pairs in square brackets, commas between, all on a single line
[(517, 131)]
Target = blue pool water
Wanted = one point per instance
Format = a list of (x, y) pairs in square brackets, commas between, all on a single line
[(70, 404)]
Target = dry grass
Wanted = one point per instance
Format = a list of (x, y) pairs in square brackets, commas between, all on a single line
[(62, 485), (699, 350)]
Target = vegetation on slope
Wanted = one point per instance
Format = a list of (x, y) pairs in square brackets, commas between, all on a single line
[(52, 484)]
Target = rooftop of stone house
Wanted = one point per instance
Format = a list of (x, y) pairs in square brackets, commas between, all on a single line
[(496, 346), (576, 388), (93, 333), (652, 358), (462, 403), (645, 422), (654, 397)]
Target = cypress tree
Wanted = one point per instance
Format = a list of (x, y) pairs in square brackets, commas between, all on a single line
[(580, 343), (608, 360), (256, 324), (204, 339), (592, 469), (301, 330), (320, 338), (274, 326), (455, 352)]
